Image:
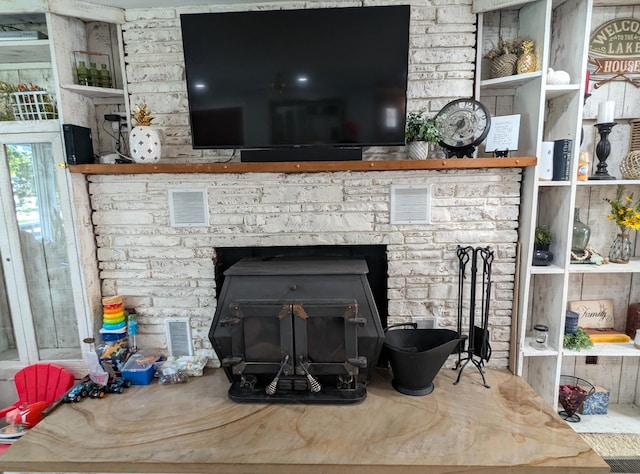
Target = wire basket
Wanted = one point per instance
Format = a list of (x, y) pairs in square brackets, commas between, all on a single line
[(572, 394), (33, 105)]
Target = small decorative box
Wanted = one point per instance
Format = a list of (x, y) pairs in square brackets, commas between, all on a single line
[(597, 403)]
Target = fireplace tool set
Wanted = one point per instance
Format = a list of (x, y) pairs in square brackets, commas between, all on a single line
[(478, 350)]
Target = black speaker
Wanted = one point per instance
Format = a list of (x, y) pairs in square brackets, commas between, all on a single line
[(78, 144)]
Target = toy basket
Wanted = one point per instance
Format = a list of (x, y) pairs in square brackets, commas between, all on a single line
[(33, 105)]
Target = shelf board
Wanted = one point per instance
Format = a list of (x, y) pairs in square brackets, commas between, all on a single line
[(553, 184), (606, 349), (552, 91), (530, 350), (546, 269), (623, 418), (610, 182), (16, 51), (514, 81), (632, 267), (95, 92), (306, 166)]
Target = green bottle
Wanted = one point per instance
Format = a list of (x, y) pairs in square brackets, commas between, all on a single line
[(104, 76), (83, 74), (93, 75)]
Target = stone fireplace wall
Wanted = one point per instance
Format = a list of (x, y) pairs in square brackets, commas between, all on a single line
[(165, 271)]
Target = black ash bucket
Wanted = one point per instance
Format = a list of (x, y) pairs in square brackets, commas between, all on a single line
[(417, 355)]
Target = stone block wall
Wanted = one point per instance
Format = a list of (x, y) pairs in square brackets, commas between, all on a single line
[(166, 271)]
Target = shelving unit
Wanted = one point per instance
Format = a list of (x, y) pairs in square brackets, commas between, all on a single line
[(551, 112)]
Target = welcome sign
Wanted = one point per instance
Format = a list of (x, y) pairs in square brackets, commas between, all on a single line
[(614, 51)]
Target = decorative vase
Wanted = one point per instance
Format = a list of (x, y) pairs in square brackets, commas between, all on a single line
[(527, 59), (581, 235), (418, 150), (502, 66), (144, 145), (542, 256), (620, 251)]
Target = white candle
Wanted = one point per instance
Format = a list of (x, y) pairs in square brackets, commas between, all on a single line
[(605, 111)]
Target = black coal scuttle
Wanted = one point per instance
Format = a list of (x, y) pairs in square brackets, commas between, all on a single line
[(290, 330)]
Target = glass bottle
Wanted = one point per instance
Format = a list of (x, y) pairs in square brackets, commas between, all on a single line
[(83, 74), (620, 251), (581, 235), (93, 75), (104, 76)]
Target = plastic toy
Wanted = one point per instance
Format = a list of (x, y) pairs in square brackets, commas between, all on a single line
[(98, 391), (79, 391), (118, 385)]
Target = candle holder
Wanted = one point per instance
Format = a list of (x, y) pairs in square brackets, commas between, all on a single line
[(603, 148)]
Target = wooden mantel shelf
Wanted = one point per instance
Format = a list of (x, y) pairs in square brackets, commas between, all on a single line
[(307, 166)]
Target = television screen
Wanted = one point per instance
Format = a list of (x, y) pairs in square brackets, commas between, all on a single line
[(296, 78)]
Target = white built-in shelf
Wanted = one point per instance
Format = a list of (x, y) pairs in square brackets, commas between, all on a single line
[(508, 82), (24, 51), (531, 349), (554, 184), (608, 182), (551, 91), (619, 419), (632, 267), (96, 93), (552, 269), (606, 349)]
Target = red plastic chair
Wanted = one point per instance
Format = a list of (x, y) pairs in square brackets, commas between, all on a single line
[(40, 382)]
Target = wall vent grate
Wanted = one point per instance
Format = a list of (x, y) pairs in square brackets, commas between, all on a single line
[(179, 336), (410, 204), (188, 208)]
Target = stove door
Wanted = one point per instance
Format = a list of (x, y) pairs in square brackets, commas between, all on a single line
[(262, 336), (326, 337)]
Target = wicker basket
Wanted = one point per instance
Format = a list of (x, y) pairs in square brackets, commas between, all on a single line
[(630, 166), (502, 66), (33, 105)]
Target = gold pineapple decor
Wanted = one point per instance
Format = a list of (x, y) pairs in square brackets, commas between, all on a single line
[(527, 59), (142, 116)]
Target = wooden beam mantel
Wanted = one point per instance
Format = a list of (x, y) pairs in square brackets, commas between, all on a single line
[(306, 166)]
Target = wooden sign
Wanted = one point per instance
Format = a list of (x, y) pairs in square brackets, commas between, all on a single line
[(614, 51), (596, 314)]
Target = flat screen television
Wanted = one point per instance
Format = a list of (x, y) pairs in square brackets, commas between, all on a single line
[(304, 80)]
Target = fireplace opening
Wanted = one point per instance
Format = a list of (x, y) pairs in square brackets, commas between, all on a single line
[(300, 325), (374, 255)]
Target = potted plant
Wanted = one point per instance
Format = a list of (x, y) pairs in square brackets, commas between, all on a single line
[(542, 239), (503, 57), (420, 131)]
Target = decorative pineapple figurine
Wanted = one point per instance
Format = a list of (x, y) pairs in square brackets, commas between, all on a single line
[(527, 59), (144, 141)]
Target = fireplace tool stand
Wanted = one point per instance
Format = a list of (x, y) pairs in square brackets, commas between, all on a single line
[(478, 348)]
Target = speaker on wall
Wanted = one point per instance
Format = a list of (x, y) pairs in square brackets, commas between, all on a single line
[(78, 144)]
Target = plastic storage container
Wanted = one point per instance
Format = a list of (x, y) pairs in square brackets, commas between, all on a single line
[(139, 369)]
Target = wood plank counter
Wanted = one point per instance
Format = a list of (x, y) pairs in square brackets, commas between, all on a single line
[(195, 428)]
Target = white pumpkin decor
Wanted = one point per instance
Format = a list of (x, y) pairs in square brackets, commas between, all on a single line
[(144, 141), (557, 78)]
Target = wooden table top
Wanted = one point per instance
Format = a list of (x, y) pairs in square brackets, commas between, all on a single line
[(194, 427)]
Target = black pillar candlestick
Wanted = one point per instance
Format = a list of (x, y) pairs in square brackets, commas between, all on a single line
[(603, 148)]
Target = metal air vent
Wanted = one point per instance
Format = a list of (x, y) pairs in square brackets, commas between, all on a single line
[(410, 204), (178, 336), (188, 208)]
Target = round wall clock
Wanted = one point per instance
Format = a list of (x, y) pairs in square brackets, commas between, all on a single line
[(463, 124)]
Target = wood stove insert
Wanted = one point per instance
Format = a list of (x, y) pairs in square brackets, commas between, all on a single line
[(289, 330)]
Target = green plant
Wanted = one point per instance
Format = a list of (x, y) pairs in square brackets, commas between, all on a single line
[(624, 212), (577, 341), (421, 128), (504, 47), (543, 235)]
